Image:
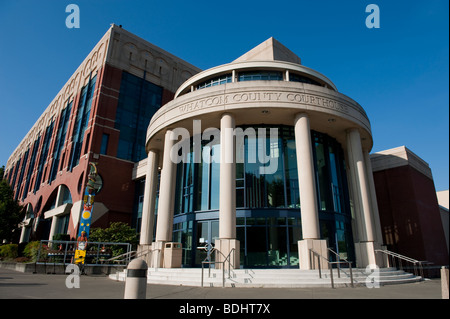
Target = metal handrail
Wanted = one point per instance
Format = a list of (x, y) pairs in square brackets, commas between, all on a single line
[(208, 261), (415, 262), (69, 250), (330, 263), (150, 252), (339, 262), (126, 255)]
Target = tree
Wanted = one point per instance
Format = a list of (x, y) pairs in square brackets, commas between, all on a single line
[(10, 210)]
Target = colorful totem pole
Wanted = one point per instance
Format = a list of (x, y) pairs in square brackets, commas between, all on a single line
[(85, 223)]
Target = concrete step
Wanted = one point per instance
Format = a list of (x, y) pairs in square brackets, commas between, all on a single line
[(287, 278)]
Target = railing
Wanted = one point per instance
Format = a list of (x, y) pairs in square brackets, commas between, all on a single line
[(391, 256), (209, 261), (59, 252), (126, 257), (330, 264), (150, 260)]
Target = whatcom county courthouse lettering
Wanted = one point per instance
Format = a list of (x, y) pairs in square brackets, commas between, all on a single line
[(263, 97)]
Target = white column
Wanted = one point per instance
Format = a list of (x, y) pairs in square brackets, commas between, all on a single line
[(166, 189), (373, 198), (55, 221), (227, 197), (23, 235), (148, 207), (59, 196), (365, 249), (306, 178), (363, 191), (308, 198), (227, 243), (381, 259)]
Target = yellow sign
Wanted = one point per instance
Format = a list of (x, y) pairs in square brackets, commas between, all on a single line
[(80, 255)]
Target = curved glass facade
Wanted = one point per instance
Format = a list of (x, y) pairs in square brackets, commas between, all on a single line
[(268, 205), (255, 75)]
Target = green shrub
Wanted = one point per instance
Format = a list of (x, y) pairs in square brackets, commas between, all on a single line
[(9, 251), (31, 250), (117, 232)]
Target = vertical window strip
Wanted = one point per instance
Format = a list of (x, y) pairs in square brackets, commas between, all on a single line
[(138, 101), (43, 157), (61, 137), (31, 168), (22, 172), (84, 109), (16, 169)]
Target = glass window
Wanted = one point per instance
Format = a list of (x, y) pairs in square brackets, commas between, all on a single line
[(203, 179), (226, 78), (188, 187), (60, 140), (43, 157), (22, 172), (104, 146), (321, 173), (81, 121), (291, 173), (335, 188), (295, 234), (138, 101), (277, 240), (261, 76), (275, 182), (256, 247), (293, 77), (31, 167), (215, 177)]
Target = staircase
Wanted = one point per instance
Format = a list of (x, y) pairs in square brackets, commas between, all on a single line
[(272, 278)]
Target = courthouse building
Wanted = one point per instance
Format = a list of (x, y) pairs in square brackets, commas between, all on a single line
[(312, 188), (262, 158)]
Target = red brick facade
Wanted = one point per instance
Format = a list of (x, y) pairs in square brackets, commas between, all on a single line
[(409, 214)]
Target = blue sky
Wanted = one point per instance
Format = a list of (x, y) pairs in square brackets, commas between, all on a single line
[(399, 73)]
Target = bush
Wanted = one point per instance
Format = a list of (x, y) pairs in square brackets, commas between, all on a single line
[(31, 250), (116, 233), (9, 251)]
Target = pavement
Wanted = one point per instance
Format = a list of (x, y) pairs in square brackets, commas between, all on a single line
[(19, 285)]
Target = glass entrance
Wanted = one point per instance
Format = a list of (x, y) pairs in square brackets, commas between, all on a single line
[(269, 242), (207, 233)]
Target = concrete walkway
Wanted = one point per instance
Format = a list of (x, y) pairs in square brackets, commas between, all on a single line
[(18, 285)]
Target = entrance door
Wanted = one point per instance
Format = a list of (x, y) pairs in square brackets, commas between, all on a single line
[(207, 233)]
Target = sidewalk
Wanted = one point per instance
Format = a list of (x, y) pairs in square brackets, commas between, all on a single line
[(18, 285)]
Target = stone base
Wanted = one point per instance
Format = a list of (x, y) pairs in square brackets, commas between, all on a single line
[(307, 259), (144, 253), (444, 282), (382, 259), (223, 248), (365, 255), (157, 256)]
